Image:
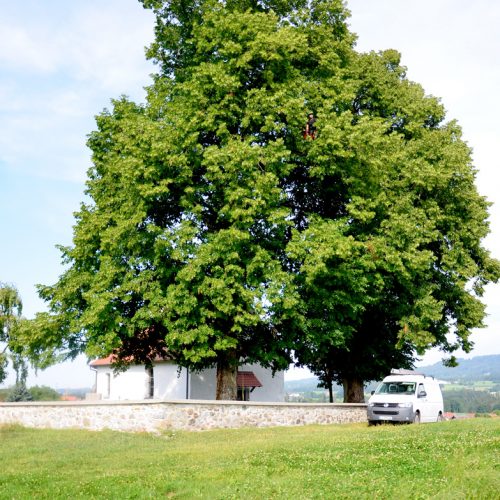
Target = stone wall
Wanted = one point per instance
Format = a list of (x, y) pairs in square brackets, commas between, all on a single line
[(156, 416)]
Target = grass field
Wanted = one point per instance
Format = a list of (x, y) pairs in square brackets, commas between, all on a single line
[(482, 385), (449, 460)]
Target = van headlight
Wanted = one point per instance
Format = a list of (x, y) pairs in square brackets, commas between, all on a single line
[(371, 405), (405, 405)]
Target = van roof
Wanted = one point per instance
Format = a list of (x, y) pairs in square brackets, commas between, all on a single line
[(402, 371), (416, 377)]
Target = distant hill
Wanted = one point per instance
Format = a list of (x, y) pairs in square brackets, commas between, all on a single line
[(467, 371), (303, 385)]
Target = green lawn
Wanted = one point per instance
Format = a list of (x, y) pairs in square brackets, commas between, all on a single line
[(450, 460)]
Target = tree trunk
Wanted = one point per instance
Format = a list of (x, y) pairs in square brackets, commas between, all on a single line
[(353, 390), (330, 390), (227, 369)]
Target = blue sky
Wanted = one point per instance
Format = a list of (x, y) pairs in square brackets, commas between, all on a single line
[(62, 61)]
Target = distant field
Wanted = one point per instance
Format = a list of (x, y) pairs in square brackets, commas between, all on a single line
[(458, 459), (483, 385)]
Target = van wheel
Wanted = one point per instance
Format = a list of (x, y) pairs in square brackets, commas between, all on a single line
[(440, 417), (416, 418)]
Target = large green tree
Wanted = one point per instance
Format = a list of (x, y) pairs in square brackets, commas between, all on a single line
[(217, 232), (401, 267), (182, 246)]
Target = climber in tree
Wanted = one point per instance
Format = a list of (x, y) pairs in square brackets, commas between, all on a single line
[(310, 130)]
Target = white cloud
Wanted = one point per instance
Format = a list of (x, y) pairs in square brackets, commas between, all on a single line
[(105, 45), (63, 64), (21, 48), (450, 47), (98, 42)]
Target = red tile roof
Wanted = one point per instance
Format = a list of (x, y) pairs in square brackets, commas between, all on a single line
[(69, 397), (247, 379), (111, 358), (103, 361)]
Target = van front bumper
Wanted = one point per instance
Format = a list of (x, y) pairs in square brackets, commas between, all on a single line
[(390, 412)]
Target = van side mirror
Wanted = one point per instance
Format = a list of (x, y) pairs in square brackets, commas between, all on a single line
[(422, 394), (372, 393)]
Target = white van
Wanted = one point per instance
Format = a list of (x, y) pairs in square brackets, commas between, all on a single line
[(406, 396)]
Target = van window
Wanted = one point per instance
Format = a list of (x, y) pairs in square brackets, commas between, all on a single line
[(396, 388)]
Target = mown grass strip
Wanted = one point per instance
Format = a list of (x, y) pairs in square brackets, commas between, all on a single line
[(448, 460)]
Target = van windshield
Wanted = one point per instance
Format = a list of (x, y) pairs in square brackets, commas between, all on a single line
[(396, 388)]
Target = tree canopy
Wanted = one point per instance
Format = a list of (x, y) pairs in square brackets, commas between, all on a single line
[(217, 232), (403, 269), (11, 308)]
